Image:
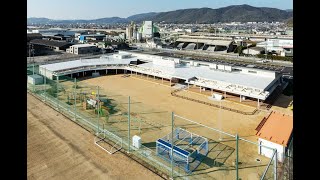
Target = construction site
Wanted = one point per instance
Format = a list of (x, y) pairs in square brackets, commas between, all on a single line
[(175, 127)]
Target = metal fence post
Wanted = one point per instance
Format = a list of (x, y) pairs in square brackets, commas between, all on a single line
[(172, 143), (275, 165), (45, 83), (75, 100), (129, 124), (58, 92), (237, 156), (98, 100)]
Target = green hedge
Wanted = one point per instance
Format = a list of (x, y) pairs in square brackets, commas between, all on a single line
[(272, 57)]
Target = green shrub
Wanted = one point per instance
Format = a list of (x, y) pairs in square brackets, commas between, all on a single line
[(272, 57)]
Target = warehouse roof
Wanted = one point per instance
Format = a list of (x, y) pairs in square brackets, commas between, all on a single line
[(83, 45), (206, 41), (49, 42), (187, 72), (92, 35), (86, 62), (277, 128)]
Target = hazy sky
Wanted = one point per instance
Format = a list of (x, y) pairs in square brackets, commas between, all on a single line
[(92, 9)]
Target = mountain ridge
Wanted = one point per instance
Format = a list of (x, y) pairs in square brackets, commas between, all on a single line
[(238, 13)]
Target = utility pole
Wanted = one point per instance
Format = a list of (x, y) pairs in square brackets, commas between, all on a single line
[(266, 51), (197, 44), (29, 52), (247, 46)]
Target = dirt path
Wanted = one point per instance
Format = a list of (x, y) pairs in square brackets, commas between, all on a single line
[(57, 148)]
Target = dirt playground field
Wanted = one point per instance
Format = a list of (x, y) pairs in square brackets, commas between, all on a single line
[(156, 96), (154, 103), (57, 148)]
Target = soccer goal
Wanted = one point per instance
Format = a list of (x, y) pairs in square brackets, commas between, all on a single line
[(108, 141), (189, 149)]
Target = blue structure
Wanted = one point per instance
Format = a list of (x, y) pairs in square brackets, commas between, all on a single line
[(85, 37), (82, 38), (188, 151)]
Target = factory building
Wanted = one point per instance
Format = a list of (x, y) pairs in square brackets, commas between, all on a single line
[(147, 29), (281, 47), (95, 37), (51, 44), (204, 43), (253, 50), (82, 49)]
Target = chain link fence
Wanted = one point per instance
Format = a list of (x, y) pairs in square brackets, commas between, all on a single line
[(119, 118)]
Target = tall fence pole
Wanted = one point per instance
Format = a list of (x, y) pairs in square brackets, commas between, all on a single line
[(58, 92), (172, 143), (75, 100), (129, 124), (98, 109), (33, 61), (45, 83), (220, 126), (237, 156)]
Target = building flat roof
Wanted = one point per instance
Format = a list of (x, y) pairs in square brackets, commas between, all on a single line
[(50, 42), (92, 35), (187, 72), (86, 62), (277, 128), (83, 45), (206, 41)]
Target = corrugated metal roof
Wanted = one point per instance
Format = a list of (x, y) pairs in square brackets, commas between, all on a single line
[(277, 128), (187, 72), (85, 62), (83, 45), (49, 42), (206, 41)]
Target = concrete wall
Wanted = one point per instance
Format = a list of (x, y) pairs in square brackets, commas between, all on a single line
[(273, 83), (45, 73), (228, 68), (251, 51), (213, 66), (35, 79), (220, 67), (268, 153)]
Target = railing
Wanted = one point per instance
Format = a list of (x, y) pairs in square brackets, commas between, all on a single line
[(144, 155), (174, 93)]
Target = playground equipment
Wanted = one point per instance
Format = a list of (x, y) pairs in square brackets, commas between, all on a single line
[(189, 149), (80, 97), (93, 102)]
